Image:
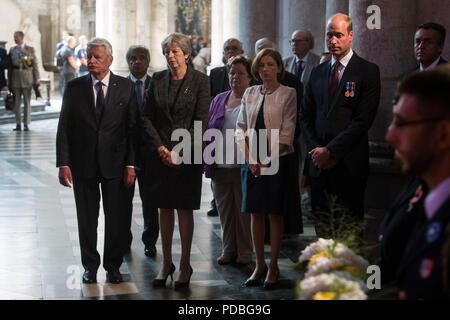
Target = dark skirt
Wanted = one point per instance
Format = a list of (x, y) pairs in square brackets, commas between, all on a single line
[(278, 194), (173, 188)]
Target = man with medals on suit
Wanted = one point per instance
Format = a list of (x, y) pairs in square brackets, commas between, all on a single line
[(420, 134), (429, 42), (95, 145), (339, 106), (23, 73), (138, 59)]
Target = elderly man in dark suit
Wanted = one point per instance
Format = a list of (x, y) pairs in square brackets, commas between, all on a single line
[(339, 107), (429, 42), (95, 145), (138, 59), (420, 134)]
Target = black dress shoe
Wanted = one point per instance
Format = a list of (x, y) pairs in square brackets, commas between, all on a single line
[(150, 251), (255, 281), (271, 285), (89, 277), (18, 128), (180, 285), (212, 212), (114, 276), (25, 128), (160, 283)]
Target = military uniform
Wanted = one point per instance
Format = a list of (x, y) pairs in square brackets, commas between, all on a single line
[(23, 72)]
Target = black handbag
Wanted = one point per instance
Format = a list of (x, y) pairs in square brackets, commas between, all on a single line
[(9, 101)]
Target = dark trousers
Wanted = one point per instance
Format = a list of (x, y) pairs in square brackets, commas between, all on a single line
[(348, 190), (87, 199), (150, 213)]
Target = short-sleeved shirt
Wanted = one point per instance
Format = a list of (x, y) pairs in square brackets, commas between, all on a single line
[(66, 53), (82, 54)]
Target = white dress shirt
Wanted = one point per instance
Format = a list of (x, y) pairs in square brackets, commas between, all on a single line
[(105, 86), (344, 62)]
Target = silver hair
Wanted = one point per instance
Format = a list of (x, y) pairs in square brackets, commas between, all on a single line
[(308, 36), (100, 42), (137, 48), (180, 40), (232, 40), (264, 43)]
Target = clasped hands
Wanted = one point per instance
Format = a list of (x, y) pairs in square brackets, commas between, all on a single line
[(169, 158), (321, 158)]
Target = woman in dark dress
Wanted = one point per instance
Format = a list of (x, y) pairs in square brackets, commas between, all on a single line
[(178, 98), (271, 107)]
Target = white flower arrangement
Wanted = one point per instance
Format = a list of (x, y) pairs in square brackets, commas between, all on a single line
[(329, 286), (334, 272)]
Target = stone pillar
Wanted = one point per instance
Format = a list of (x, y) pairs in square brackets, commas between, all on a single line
[(72, 17), (256, 20), (334, 6), (225, 25), (117, 34), (391, 48), (293, 15), (435, 11), (143, 13)]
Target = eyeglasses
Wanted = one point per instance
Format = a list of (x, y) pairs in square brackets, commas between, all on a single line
[(233, 48), (400, 123), (297, 41)]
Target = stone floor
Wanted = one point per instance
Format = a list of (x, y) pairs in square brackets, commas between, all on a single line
[(39, 249)]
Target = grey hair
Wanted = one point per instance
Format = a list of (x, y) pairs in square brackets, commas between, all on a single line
[(180, 40), (266, 42), (232, 40), (137, 48), (308, 36), (100, 42)]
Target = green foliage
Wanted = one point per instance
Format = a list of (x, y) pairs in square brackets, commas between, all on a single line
[(338, 224)]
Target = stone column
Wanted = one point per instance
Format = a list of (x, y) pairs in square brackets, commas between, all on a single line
[(225, 25), (435, 11), (143, 23), (256, 20), (293, 15), (391, 48)]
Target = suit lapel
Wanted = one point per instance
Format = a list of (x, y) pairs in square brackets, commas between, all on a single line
[(90, 95), (348, 72), (419, 242), (162, 92)]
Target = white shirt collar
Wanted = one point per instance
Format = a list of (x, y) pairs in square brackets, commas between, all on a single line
[(431, 66), (105, 80), (134, 79), (345, 60), (304, 59), (437, 197)]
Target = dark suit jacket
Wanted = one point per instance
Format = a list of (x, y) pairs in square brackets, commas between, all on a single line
[(344, 128), (420, 271), (191, 105), (3, 66), (83, 143), (407, 73), (397, 226), (219, 80)]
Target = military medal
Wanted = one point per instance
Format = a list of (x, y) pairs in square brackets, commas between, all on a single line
[(347, 91), (352, 90)]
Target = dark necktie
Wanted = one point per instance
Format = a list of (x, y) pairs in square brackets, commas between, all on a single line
[(100, 103), (299, 69), (333, 83), (139, 93)]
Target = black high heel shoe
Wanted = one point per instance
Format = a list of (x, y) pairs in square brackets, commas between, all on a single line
[(180, 285), (256, 281), (271, 285), (160, 283)]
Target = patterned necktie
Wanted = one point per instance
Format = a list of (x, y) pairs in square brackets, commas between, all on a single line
[(100, 103), (333, 83), (139, 93)]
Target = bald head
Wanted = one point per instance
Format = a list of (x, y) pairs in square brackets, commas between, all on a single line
[(339, 35)]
